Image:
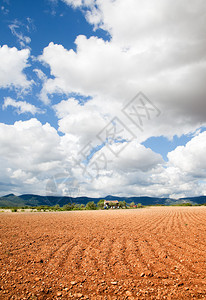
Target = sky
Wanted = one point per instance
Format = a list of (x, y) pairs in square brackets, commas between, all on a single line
[(103, 97)]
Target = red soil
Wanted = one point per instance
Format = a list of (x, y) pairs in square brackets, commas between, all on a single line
[(151, 253)]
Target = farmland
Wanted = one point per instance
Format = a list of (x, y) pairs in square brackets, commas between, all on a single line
[(150, 253)]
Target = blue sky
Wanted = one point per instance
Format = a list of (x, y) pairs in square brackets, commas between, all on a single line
[(68, 68)]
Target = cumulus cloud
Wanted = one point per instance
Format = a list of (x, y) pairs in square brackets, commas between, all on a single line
[(190, 159), (13, 63), (82, 122), (31, 154), (135, 157), (149, 21), (35, 159), (21, 106), (158, 48), (87, 71), (140, 171), (121, 165)]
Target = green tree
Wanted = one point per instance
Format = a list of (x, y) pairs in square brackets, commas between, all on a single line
[(56, 207), (78, 206), (100, 204), (132, 204), (122, 204), (91, 205), (82, 206), (68, 206)]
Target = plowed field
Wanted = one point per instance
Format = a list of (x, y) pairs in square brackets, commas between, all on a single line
[(151, 253)]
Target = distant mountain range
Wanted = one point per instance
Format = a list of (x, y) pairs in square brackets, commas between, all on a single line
[(35, 200)]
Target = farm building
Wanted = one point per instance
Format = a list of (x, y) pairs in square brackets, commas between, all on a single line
[(111, 204)]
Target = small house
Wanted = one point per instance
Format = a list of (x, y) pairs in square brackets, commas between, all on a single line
[(111, 204)]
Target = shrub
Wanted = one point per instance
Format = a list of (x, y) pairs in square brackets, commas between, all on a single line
[(77, 207), (68, 206), (82, 206), (56, 207), (100, 204), (91, 205), (122, 204), (183, 204)]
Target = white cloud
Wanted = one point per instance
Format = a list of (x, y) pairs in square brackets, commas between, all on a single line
[(30, 154), (23, 40), (21, 106), (135, 157), (13, 63), (139, 171), (74, 3), (82, 122), (17, 29), (40, 74), (146, 23), (35, 159), (125, 168), (156, 46), (105, 71), (89, 71), (134, 170), (190, 159)]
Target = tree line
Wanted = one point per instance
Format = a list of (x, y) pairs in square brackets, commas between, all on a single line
[(89, 206), (74, 206)]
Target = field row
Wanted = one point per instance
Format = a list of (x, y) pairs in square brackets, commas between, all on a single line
[(154, 253)]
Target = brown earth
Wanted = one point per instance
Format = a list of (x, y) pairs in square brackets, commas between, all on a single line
[(151, 253)]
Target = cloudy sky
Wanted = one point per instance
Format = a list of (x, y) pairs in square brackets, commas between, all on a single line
[(102, 97)]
